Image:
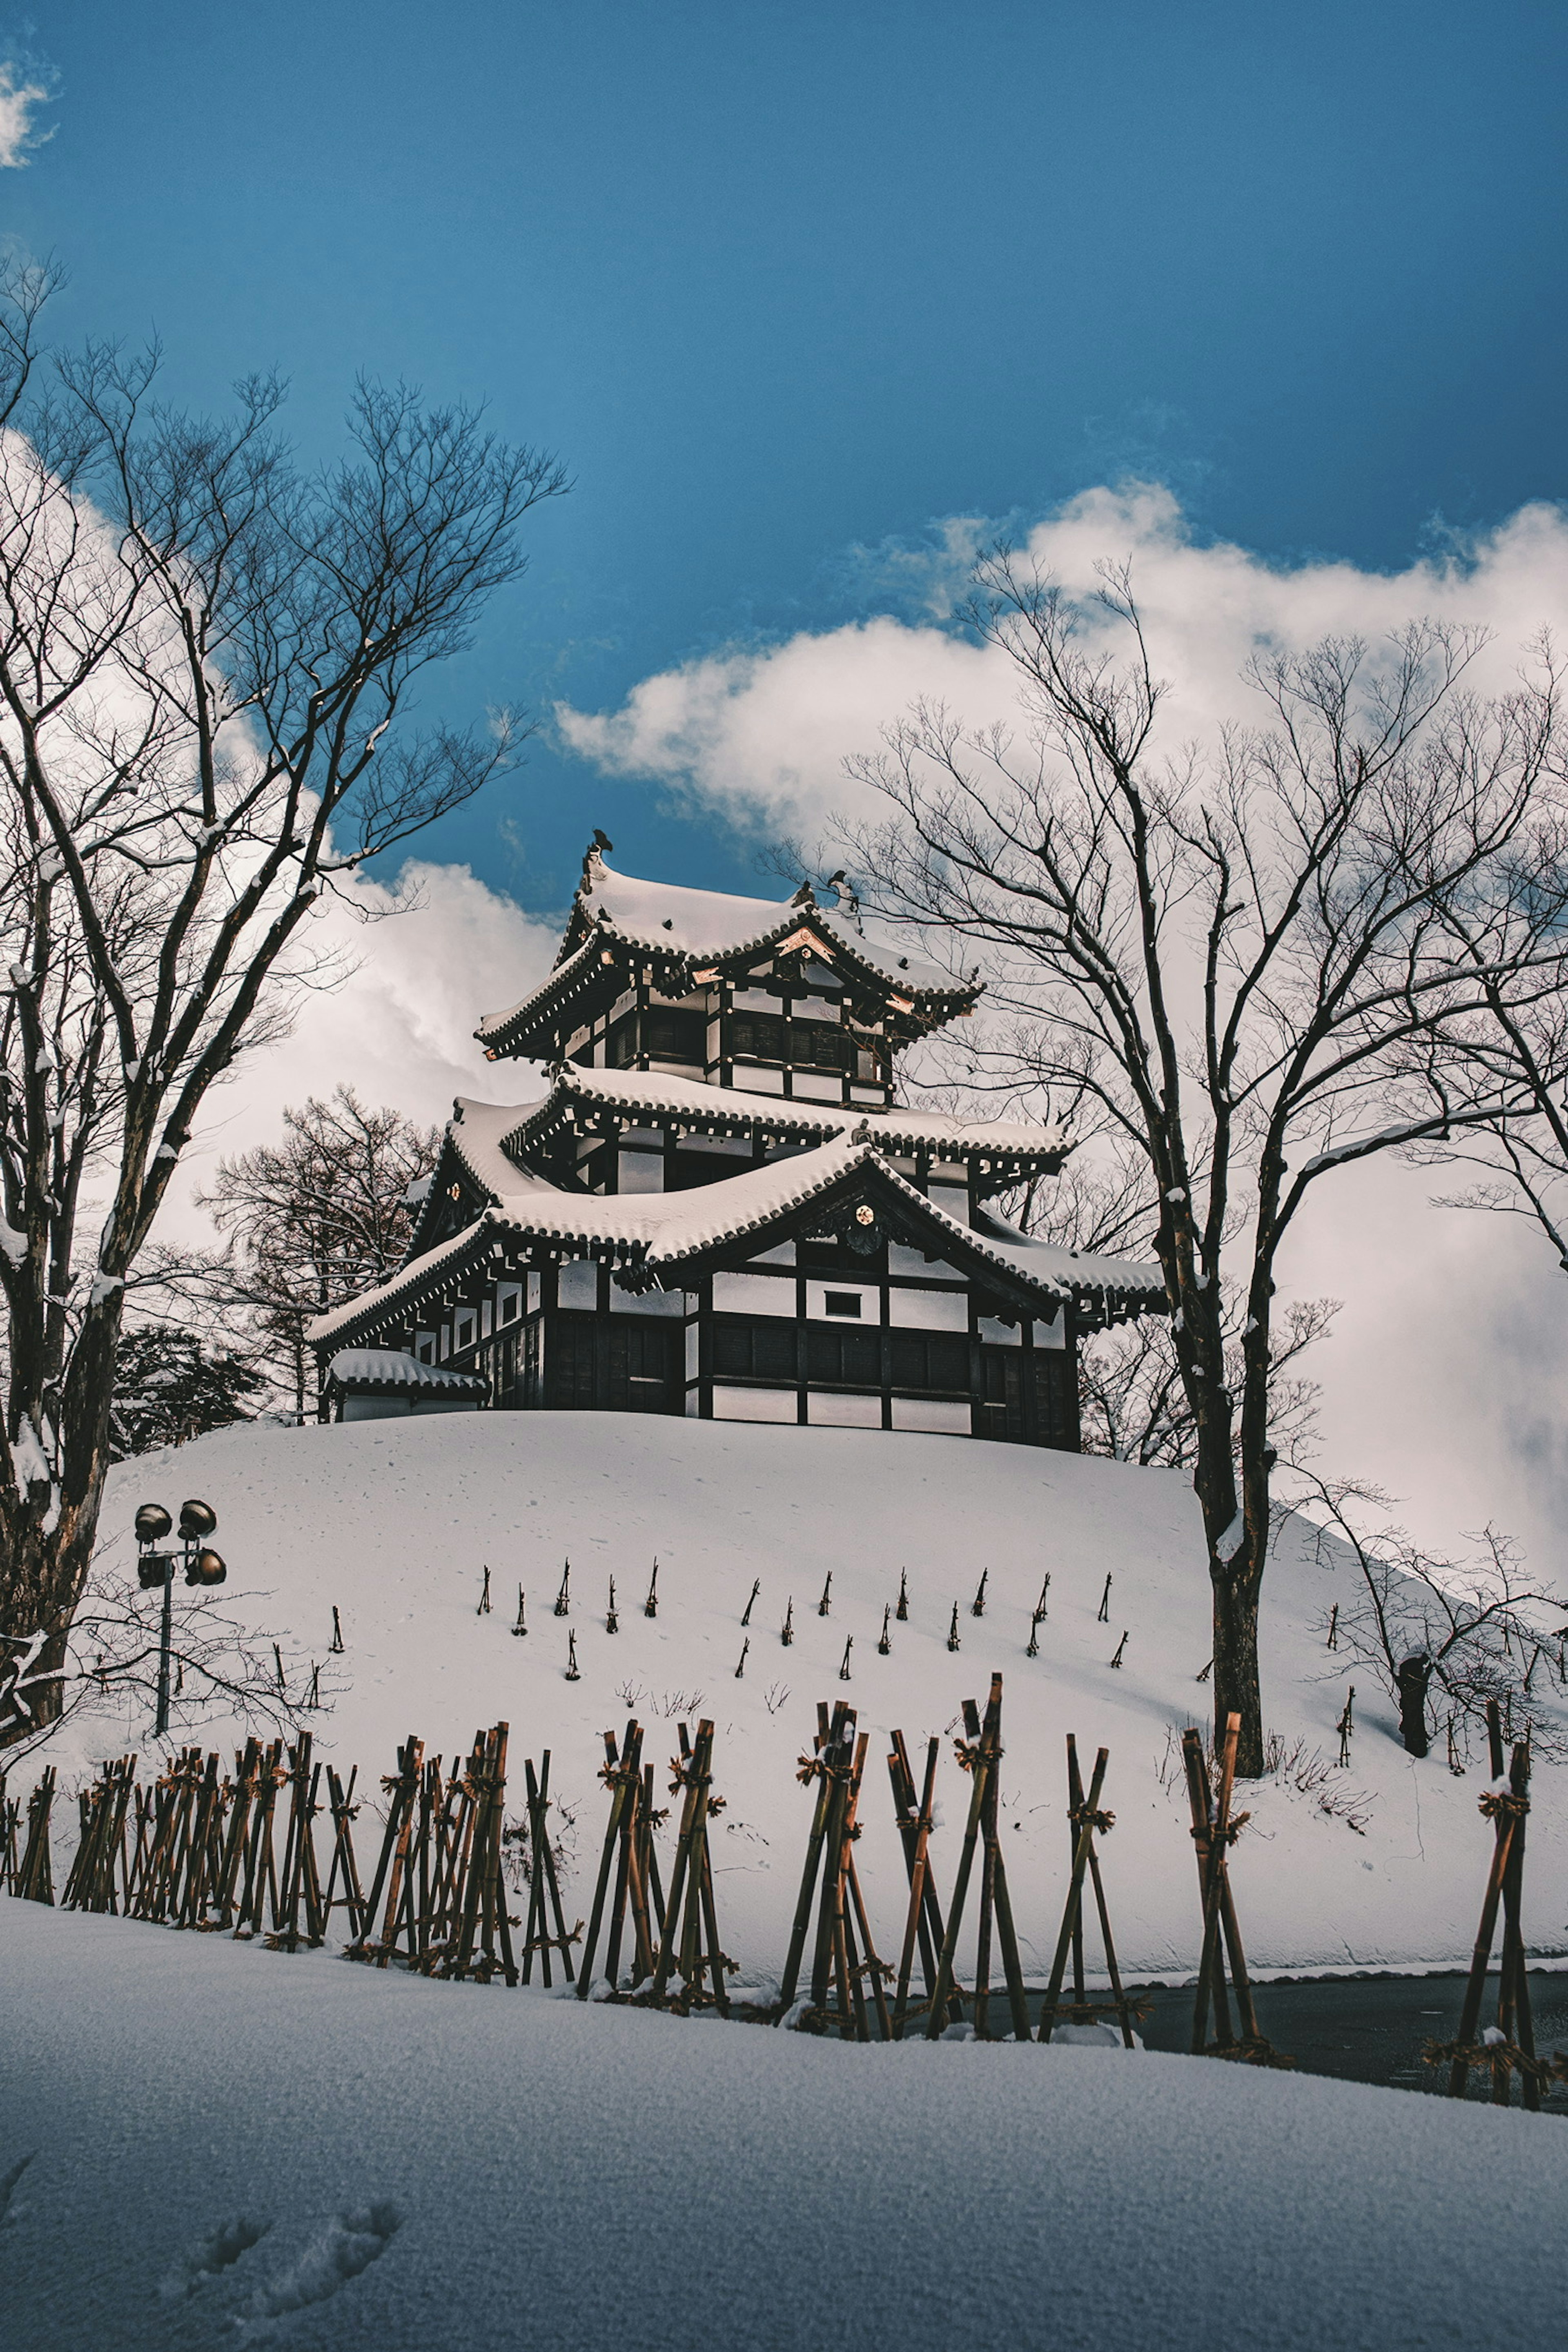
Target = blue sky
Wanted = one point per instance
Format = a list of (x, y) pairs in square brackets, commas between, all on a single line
[(787, 283)]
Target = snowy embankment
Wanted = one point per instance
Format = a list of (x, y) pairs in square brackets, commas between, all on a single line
[(394, 1523), (230, 2147)]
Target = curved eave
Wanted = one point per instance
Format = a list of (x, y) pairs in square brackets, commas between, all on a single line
[(523, 1029), (651, 1259), (574, 1099)]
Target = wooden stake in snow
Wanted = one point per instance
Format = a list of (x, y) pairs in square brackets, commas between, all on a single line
[(1032, 1651), (337, 1640), (740, 1669), (843, 1667), (977, 1606), (1104, 1618), (1086, 1818), (922, 1925), (612, 1622), (563, 1598), (885, 1646), (521, 1626), (650, 1606), (573, 1675), (1041, 1611), (828, 1588), (690, 1939), (1333, 1640), (542, 1883), (622, 1775), (484, 1608), (1510, 2048), (845, 1962), (953, 1628), (1120, 1651), (746, 1613), (1213, 1834), (1346, 1725), (980, 1754), (278, 1663), (902, 1612), (787, 1636)]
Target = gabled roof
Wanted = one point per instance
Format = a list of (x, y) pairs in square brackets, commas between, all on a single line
[(728, 1111), (681, 930), (655, 1238)]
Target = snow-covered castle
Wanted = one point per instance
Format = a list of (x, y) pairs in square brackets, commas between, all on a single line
[(719, 1209)]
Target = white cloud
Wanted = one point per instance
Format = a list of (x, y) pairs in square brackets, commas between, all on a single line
[(19, 96), (398, 1027), (764, 734), (1448, 1378)]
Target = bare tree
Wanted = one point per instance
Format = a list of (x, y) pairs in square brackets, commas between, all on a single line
[(315, 1220), (207, 662), (220, 1665), (1133, 1404), (1237, 965), (1443, 1635)]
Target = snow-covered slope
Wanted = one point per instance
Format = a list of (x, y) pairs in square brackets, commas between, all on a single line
[(229, 2147), (394, 1523)]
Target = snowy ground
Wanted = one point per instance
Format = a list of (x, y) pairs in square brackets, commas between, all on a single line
[(393, 1522), (233, 2148)]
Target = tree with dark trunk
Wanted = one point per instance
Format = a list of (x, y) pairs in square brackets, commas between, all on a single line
[(169, 1387), (208, 658), (315, 1220), (1243, 967)]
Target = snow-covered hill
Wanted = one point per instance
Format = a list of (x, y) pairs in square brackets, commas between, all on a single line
[(394, 1522)]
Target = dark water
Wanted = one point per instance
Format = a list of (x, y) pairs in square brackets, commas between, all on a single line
[(1372, 2029)]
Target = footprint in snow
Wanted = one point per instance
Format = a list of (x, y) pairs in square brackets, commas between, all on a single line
[(337, 2252), (8, 2185), (212, 2256)]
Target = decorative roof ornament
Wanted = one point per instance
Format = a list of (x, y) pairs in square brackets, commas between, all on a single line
[(594, 861)]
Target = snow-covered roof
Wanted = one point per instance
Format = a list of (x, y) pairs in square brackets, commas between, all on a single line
[(653, 1234), (719, 1108), (703, 923), (689, 927), (390, 1367)]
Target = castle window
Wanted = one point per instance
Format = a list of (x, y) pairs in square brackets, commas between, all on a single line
[(670, 1036), (841, 1302)]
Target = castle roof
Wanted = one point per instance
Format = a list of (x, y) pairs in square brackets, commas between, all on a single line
[(616, 917), (656, 1238), (579, 1093)]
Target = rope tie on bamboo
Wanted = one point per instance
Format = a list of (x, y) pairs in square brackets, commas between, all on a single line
[(1210, 1831), (1080, 1816), (1507, 2054), (970, 1751), (1501, 1804)]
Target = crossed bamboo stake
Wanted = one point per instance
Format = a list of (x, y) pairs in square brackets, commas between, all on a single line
[(1215, 1832), (1086, 1818), (980, 1753), (690, 1936), (923, 1925), (630, 1852), (542, 1883), (1508, 1808), (844, 1958)]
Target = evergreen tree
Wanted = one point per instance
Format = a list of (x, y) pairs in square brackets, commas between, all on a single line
[(168, 1388)]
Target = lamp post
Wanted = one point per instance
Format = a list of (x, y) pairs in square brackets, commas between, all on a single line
[(157, 1568)]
